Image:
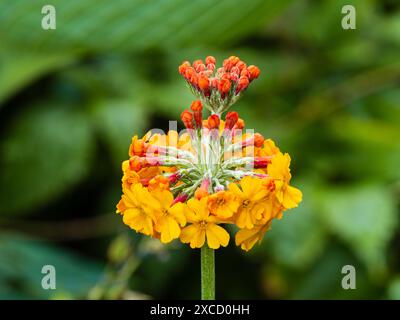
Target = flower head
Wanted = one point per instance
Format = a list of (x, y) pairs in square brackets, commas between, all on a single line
[(188, 186)]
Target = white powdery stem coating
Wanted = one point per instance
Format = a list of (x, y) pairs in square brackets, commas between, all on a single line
[(236, 162), (172, 161)]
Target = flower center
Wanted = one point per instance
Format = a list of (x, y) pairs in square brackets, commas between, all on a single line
[(221, 202), (203, 224), (245, 203)]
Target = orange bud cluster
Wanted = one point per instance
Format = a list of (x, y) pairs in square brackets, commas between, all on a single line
[(218, 86), (195, 119)]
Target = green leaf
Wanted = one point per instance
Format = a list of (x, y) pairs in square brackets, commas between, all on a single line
[(394, 289), (130, 25), (44, 152), (364, 217), (21, 263), (299, 237), (324, 279), (117, 121), (21, 68)]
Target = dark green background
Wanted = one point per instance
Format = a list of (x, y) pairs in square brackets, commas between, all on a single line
[(71, 98)]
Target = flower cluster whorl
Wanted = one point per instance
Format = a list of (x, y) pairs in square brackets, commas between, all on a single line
[(187, 186)]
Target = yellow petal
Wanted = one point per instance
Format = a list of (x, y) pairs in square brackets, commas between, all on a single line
[(194, 235), (216, 236), (199, 207), (291, 197), (279, 190), (247, 238), (279, 167), (248, 184), (138, 220), (253, 188), (165, 197), (244, 218), (235, 189), (177, 211), (169, 229)]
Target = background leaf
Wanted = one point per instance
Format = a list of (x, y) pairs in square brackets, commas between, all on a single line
[(43, 155)]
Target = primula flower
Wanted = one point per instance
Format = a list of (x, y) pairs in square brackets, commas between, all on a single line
[(203, 226), (252, 194), (169, 217), (243, 177), (139, 209), (190, 185), (247, 238), (223, 204), (279, 170)]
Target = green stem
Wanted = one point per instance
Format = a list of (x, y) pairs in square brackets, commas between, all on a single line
[(207, 273)]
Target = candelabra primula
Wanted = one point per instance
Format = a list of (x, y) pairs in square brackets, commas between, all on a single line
[(188, 186)]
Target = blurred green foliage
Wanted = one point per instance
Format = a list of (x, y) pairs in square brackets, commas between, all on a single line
[(71, 98)]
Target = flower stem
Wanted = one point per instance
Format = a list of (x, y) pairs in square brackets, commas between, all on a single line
[(207, 273)]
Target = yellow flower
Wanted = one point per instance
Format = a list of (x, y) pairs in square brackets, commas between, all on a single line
[(247, 238), (279, 170), (171, 139), (159, 182), (268, 149), (251, 196), (139, 209), (203, 226), (130, 177), (138, 146), (223, 204), (169, 218)]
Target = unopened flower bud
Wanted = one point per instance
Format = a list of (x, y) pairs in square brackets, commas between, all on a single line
[(200, 67), (261, 162), (182, 68), (135, 164), (210, 60), (224, 85), (239, 124), (187, 119), (245, 73), (243, 83), (231, 119), (254, 72), (234, 77), (258, 140), (241, 65), (234, 60), (180, 198), (204, 83), (197, 108), (214, 83), (211, 66), (200, 193), (235, 70), (213, 121), (196, 63)]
